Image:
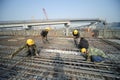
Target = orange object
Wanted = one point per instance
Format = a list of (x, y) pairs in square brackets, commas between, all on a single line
[(92, 34), (88, 29)]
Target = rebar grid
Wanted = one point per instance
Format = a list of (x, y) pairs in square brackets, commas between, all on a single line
[(56, 66)]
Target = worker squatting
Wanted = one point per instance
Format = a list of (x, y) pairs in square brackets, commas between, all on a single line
[(89, 53)]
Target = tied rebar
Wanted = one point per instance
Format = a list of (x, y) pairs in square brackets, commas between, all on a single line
[(59, 63)]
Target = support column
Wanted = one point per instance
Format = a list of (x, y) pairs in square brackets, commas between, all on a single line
[(67, 25), (25, 26), (105, 28), (67, 30)]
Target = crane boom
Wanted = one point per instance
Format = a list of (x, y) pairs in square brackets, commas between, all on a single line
[(45, 13)]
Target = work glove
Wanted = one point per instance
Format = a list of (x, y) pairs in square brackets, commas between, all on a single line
[(88, 60), (37, 54)]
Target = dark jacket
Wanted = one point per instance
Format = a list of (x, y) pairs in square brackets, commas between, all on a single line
[(83, 43), (44, 33)]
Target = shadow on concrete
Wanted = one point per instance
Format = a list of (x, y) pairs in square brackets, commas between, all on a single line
[(58, 68), (6, 73)]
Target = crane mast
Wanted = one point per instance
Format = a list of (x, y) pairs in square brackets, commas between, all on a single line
[(45, 13)]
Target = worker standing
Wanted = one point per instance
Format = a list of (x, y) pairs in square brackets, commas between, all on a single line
[(93, 54), (83, 43), (44, 34), (30, 47), (76, 36)]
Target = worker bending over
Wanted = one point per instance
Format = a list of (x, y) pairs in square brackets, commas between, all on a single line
[(93, 54), (76, 36), (44, 34), (83, 43), (30, 47)]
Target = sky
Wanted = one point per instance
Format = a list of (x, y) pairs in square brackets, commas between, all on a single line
[(108, 10)]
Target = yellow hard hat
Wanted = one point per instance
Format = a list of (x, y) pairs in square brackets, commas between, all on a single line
[(47, 28), (30, 42), (83, 50), (75, 32)]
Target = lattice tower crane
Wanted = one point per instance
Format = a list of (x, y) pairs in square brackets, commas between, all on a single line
[(45, 15)]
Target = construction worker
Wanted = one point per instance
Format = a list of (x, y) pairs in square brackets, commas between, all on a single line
[(30, 46), (83, 43), (76, 36), (93, 54), (88, 29), (44, 34)]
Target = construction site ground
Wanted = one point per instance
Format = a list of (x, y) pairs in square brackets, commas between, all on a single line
[(58, 59)]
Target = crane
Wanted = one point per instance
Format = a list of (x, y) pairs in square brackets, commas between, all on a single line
[(45, 13)]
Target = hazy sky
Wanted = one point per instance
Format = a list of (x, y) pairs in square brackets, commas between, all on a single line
[(60, 9)]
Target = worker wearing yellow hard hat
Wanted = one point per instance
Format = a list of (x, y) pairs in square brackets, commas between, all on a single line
[(47, 28), (30, 42), (30, 47), (90, 53), (75, 32), (44, 34), (76, 36), (93, 54), (83, 50)]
